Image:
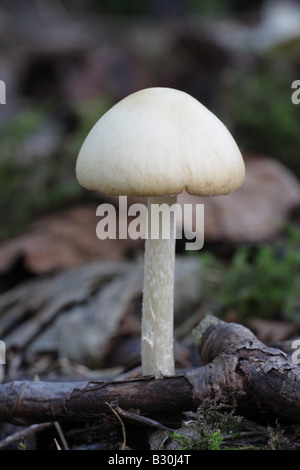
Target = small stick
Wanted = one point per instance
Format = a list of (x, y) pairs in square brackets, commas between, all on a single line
[(128, 415), (33, 429), (122, 424)]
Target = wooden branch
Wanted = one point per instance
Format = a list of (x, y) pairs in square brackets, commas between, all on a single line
[(236, 366), (24, 402), (265, 378)]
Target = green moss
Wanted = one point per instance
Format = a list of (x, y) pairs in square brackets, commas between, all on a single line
[(264, 283), (279, 439), (217, 426), (207, 428), (263, 116), (22, 444)]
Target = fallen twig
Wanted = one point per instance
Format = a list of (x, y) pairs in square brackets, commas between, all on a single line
[(23, 433)]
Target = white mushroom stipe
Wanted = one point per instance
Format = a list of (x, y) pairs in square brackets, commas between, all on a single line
[(158, 312)]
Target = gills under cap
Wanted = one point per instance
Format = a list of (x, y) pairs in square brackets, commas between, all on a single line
[(160, 141)]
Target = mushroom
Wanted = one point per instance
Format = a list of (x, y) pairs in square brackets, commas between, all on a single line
[(157, 142)]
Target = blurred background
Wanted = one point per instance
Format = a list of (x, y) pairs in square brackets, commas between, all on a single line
[(66, 62)]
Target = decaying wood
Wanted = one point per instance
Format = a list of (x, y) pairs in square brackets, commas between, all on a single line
[(264, 378), (65, 314), (236, 366)]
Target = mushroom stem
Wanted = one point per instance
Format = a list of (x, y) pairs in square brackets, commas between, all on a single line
[(158, 294)]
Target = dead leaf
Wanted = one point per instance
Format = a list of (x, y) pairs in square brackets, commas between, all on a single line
[(63, 240), (256, 211)]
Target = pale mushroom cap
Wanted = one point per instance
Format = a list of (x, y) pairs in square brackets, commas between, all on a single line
[(160, 141)]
